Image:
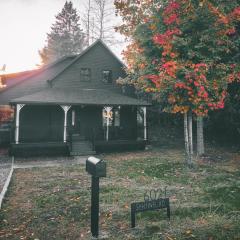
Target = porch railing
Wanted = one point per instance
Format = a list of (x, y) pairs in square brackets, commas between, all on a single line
[(117, 133)]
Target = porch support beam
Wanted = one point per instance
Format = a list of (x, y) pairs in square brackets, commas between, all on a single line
[(18, 109), (65, 109), (108, 115), (144, 109)]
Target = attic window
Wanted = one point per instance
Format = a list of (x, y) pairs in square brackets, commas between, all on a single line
[(85, 74), (107, 76)]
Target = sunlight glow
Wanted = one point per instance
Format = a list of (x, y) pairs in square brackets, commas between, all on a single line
[(23, 28)]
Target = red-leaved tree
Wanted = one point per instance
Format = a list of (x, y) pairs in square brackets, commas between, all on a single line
[(181, 52)]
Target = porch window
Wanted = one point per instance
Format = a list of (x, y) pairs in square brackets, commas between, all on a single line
[(107, 76), (117, 117), (111, 121), (113, 116), (73, 117), (85, 74), (107, 116), (140, 117)]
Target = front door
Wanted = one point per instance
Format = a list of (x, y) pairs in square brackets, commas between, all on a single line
[(87, 120)]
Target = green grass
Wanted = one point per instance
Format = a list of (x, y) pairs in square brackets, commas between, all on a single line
[(54, 203)]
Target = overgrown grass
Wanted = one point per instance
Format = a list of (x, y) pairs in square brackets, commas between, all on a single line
[(54, 203)]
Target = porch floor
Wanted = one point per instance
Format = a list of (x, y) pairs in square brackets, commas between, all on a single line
[(39, 149), (64, 149)]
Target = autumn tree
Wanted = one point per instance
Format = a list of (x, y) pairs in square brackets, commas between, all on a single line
[(66, 36), (181, 53)]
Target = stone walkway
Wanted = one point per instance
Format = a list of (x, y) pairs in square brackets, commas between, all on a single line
[(40, 162), (5, 167)]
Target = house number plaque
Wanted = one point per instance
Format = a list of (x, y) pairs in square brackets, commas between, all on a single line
[(152, 201)]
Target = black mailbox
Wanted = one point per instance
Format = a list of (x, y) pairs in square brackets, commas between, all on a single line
[(96, 167)]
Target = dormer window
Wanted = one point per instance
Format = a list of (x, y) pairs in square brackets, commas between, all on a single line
[(107, 76), (85, 74)]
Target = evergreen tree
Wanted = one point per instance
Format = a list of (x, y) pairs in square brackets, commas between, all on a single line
[(66, 37)]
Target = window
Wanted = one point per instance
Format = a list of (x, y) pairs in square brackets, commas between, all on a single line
[(117, 117), (85, 74), (73, 117), (113, 117), (107, 76), (107, 114), (140, 115)]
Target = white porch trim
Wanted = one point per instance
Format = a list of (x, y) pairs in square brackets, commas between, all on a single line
[(108, 116), (65, 109), (18, 109)]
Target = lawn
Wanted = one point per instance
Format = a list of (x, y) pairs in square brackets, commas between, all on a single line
[(54, 203)]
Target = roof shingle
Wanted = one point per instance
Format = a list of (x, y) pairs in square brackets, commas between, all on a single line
[(74, 97)]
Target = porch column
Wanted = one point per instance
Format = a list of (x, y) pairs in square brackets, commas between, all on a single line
[(18, 109), (108, 116), (65, 109), (144, 109)]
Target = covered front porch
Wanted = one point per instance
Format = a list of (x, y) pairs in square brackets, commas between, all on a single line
[(77, 129)]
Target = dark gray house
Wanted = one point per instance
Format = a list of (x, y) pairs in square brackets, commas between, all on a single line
[(74, 106)]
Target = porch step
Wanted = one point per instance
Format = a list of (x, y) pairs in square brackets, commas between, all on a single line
[(77, 137), (82, 153), (81, 148)]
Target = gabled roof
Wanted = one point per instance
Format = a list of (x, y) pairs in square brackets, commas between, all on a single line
[(34, 81), (9, 78), (37, 88), (99, 41), (75, 96), (17, 78)]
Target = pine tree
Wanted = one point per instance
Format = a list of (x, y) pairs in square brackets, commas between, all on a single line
[(66, 37)]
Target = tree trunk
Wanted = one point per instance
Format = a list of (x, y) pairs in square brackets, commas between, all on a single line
[(88, 22), (190, 133), (200, 137), (186, 139)]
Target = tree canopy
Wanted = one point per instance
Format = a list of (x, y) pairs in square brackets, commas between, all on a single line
[(66, 37), (182, 52)]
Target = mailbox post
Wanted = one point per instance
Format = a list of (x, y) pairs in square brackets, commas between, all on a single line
[(97, 168)]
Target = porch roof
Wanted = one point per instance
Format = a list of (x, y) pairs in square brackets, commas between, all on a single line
[(75, 97)]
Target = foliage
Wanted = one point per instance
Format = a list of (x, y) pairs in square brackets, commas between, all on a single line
[(224, 126), (182, 51), (6, 114), (66, 37)]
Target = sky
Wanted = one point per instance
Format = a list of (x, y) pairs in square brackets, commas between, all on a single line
[(23, 28)]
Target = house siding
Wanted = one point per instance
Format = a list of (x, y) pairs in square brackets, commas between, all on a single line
[(97, 59)]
